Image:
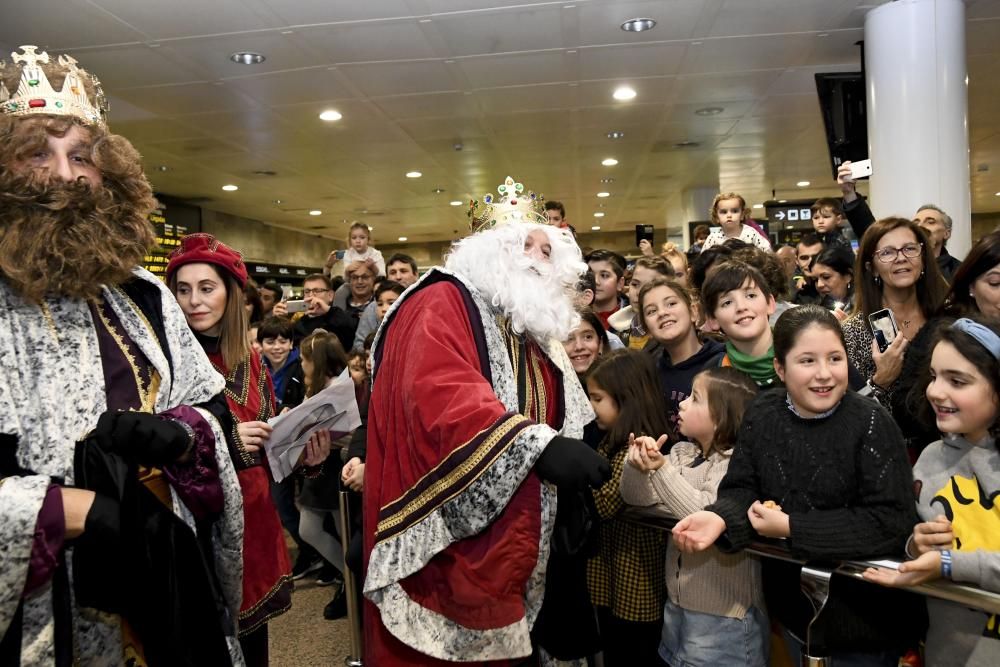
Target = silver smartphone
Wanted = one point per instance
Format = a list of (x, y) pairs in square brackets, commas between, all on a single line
[(296, 306), (884, 328)]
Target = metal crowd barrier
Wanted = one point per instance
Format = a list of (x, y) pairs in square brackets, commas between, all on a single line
[(815, 578)]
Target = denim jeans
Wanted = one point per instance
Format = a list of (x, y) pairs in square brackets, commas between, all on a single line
[(694, 639)]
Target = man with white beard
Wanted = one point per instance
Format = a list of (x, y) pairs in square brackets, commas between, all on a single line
[(475, 419)]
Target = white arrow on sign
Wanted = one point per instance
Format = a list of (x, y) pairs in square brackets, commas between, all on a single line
[(780, 215)]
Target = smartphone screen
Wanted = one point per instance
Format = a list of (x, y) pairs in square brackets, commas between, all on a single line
[(643, 232), (884, 328)]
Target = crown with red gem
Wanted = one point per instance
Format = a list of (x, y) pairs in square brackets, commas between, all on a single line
[(513, 205), (35, 95)]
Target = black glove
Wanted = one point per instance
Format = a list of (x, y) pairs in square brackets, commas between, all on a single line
[(141, 437), (572, 464)]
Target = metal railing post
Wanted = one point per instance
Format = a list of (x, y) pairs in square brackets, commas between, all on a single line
[(350, 590)]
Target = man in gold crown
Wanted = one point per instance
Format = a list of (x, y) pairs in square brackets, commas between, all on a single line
[(474, 421), (120, 518)]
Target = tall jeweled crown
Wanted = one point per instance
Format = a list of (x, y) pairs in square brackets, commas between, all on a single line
[(35, 95), (513, 205)]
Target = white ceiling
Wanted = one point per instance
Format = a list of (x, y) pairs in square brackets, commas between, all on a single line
[(523, 85)]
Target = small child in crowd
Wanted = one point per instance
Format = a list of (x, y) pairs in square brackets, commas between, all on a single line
[(738, 302), (957, 483), (358, 250), (714, 614), (609, 277), (627, 321), (626, 576), (827, 220), (386, 293), (729, 211), (281, 360), (826, 470)]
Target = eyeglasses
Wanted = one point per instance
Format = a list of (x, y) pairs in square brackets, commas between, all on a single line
[(317, 291), (359, 277), (889, 254)]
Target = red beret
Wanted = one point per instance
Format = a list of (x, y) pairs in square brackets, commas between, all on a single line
[(205, 248)]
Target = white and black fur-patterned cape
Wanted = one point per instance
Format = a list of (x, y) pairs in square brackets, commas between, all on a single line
[(52, 392)]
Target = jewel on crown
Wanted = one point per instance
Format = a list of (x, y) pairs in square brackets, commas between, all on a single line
[(514, 205), (35, 95)]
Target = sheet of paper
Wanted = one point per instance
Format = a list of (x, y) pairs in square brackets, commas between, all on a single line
[(333, 409)]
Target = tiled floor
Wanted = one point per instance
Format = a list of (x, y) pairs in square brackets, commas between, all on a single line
[(302, 637)]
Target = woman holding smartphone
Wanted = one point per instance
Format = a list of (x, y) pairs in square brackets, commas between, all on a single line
[(895, 288)]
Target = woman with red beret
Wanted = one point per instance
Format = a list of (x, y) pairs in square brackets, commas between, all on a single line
[(207, 277)]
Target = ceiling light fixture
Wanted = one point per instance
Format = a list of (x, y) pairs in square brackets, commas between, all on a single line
[(247, 58), (413, 174), (437, 191), (455, 203), (277, 201), (402, 238), (758, 206), (315, 212), (615, 134), (782, 201), (609, 162), (624, 93), (607, 180), (599, 214), (803, 184), (331, 115), (230, 188), (709, 111), (162, 167), (603, 194), (638, 25), (595, 228)]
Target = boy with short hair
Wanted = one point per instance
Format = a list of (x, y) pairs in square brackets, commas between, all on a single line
[(827, 218), (275, 335), (609, 276), (738, 301), (384, 296)]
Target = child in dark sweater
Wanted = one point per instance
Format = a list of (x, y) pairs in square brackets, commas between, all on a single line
[(834, 469)]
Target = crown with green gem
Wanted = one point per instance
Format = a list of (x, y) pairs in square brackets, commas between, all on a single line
[(35, 95), (513, 205)]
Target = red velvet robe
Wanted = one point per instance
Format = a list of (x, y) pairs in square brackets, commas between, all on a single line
[(435, 424), (267, 579)]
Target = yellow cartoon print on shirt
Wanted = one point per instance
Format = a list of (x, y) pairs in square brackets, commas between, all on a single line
[(975, 521)]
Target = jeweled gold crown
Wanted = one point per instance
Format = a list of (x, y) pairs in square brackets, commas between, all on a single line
[(513, 205), (35, 95)]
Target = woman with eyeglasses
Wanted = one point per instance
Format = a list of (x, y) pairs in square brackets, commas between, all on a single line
[(891, 272)]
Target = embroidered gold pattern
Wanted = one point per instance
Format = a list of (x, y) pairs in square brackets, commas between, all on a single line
[(242, 370), (147, 391), (498, 434)]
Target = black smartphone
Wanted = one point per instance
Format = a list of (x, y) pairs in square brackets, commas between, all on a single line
[(884, 328), (643, 232)]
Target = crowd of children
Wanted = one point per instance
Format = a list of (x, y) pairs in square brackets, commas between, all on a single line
[(750, 402)]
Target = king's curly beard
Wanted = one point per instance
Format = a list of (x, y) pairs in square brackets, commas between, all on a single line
[(69, 239)]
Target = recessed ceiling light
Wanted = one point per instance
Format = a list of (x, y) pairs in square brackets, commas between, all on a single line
[(277, 201), (609, 162), (437, 191), (638, 25), (624, 93), (331, 115), (607, 180), (709, 111), (615, 134), (603, 194), (599, 214), (413, 174), (455, 203), (997, 194), (758, 206), (595, 228), (803, 184), (247, 58), (230, 188), (402, 238), (315, 212), (162, 167)]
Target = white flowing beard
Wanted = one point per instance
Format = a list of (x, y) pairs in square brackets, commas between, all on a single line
[(536, 295)]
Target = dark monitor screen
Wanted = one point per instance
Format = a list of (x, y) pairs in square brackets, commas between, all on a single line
[(842, 103)]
